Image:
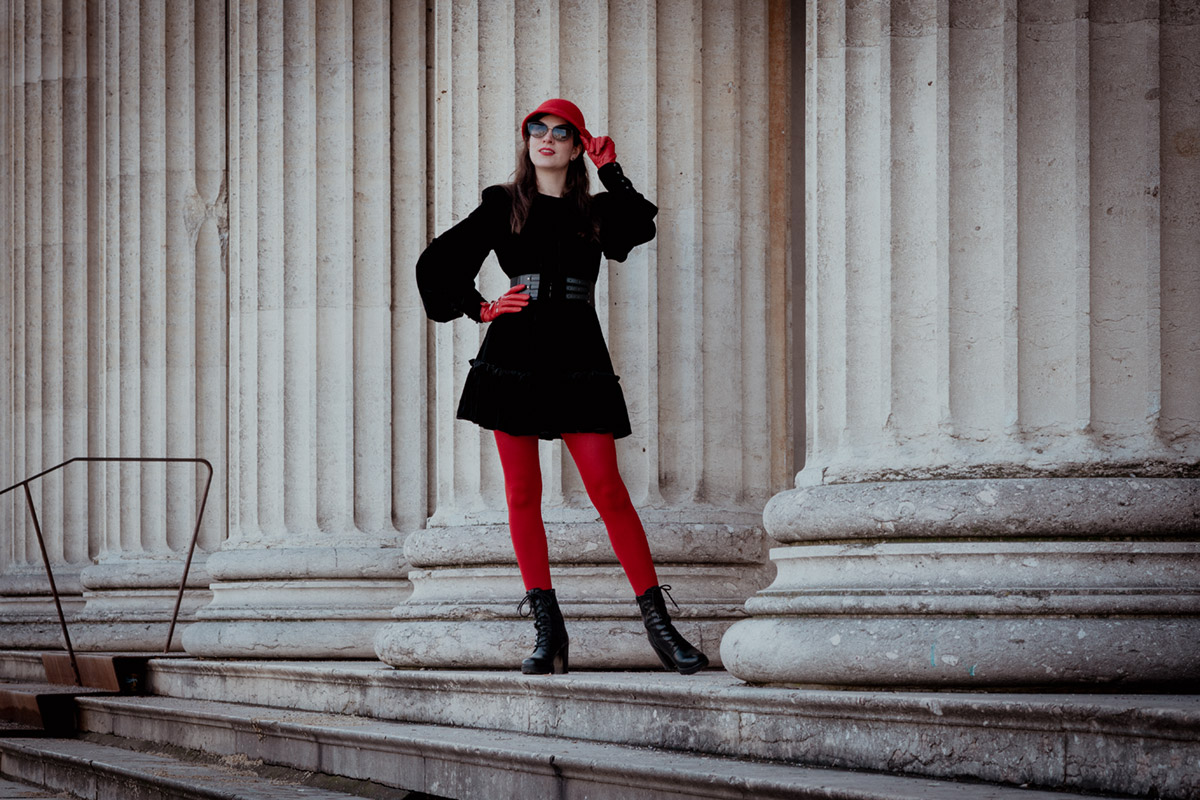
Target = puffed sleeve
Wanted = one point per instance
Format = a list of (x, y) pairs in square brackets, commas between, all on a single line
[(447, 269), (626, 218)]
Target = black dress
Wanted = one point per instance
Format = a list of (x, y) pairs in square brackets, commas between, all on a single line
[(544, 370)]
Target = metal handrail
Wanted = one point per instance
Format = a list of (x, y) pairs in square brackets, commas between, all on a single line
[(187, 564)]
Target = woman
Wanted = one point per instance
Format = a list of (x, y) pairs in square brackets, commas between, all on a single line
[(543, 370)]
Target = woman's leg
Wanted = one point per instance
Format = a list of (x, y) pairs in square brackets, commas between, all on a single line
[(523, 490), (595, 455)]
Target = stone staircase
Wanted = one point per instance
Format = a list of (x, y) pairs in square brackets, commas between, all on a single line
[(223, 729)]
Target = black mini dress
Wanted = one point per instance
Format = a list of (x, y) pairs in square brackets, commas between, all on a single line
[(545, 370)]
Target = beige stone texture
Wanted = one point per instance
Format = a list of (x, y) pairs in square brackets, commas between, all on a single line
[(212, 213), (983, 743), (117, 283), (215, 212), (982, 614), (319, 476), (1001, 483)]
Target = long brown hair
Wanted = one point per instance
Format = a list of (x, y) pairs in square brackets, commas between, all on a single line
[(576, 189)]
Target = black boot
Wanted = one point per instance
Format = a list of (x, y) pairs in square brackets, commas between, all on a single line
[(550, 652), (673, 650)]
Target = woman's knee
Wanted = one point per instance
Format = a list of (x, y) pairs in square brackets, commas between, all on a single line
[(523, 494), (610, 496)]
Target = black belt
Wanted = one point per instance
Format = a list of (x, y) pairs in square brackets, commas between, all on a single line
[(565, 288)]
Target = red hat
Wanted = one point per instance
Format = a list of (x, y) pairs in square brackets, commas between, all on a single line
[(562, 108)]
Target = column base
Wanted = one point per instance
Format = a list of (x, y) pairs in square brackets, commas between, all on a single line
[(28, 617), (972, 594), (294, 638), (463, 609), (467, 618), (945, 652), (994, 508), (297, 602), (129, 602), (36, 627)]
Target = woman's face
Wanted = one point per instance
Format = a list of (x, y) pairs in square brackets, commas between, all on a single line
[(546, 152)]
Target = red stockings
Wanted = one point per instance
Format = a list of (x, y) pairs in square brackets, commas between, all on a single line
[(595, 455)]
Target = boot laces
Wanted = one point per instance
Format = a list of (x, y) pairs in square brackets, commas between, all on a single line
[(666, 590), (541, 618)]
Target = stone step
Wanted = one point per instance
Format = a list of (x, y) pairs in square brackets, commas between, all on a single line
[(22, 666), (41, 705), (11, 729), (113, 672), (471, 763), (1137, 745), (11, 790), (94, 771)]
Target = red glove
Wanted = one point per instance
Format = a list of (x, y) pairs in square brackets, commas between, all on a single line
[(510, 302), (601, 150)]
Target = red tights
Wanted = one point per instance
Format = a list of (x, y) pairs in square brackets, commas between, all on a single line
[(595, 455)]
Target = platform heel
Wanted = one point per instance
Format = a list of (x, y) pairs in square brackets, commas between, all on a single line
[(551, 652), (674, 651)]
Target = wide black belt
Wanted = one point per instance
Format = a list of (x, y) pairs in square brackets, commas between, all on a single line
[(561, 288)]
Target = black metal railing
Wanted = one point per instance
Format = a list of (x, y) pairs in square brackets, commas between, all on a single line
[(37, 528)]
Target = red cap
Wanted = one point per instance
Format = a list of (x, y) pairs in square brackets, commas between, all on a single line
[(562, 108)]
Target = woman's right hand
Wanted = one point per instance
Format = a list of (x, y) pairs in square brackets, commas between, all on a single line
[(510, 302)]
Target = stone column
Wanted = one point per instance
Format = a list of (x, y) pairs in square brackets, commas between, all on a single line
[(115, 270), (157, 126), (8, 280), (46, 285), (695, 334), (1001, 484), (313, 563)]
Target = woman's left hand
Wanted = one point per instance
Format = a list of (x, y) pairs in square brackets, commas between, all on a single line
[(601, 150)]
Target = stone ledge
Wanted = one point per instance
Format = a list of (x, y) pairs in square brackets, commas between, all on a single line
[(1132, 744)]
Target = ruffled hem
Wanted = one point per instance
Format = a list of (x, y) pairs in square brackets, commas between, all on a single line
[(546, 404)]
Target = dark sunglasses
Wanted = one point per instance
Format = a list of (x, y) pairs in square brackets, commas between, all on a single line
[(536, 129)]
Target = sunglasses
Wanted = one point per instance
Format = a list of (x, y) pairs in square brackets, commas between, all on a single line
[(537, 129)]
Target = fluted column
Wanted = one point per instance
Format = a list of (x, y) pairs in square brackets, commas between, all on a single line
[(115, 270), (46, 294), (7, 279), (313, 562), (1001, 483), (157, 127), (683, 88)]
